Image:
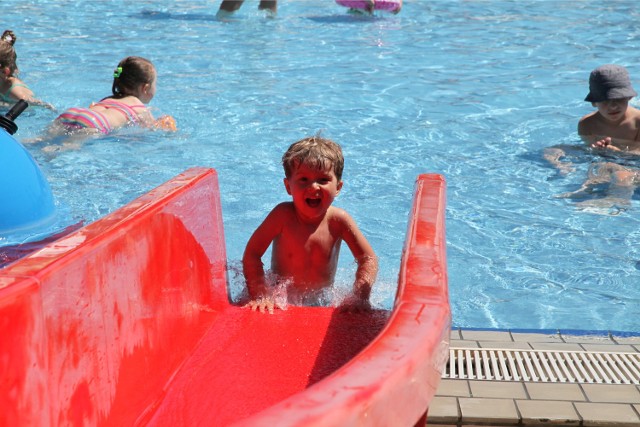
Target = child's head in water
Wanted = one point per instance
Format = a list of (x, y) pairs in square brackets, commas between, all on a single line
[(610, 91), (134, 76), (8, 54), (12, 88), (313, 175)]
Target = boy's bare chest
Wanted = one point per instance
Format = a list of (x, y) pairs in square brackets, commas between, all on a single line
[(309, 256), (305, 239), (627, 129)]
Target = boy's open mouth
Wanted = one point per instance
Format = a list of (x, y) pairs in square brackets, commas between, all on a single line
[(314, 203)]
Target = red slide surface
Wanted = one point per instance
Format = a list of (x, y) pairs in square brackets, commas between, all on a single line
[(127, 322)]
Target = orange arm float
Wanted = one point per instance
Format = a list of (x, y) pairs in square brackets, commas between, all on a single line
[(166, 123)]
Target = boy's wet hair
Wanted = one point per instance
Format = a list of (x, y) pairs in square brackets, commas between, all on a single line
[(8, 54), (316, 152), (130, 73)]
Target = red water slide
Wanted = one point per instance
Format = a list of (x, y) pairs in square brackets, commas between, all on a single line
[(127, 322)]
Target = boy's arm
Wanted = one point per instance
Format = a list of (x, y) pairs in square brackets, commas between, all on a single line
[(364, 255), (585, 131), (257, 245)]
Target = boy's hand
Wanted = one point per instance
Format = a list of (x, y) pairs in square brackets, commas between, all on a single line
[(262, 304), (354, 304), (605, 143)]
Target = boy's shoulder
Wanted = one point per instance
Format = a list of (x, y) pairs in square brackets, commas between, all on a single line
[(335, 210), (283, 210), (589, 118), (590, 123), (338, 215), (634, 112), (283, 206)]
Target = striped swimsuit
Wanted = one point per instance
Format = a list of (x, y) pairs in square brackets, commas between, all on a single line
[(86, 118)]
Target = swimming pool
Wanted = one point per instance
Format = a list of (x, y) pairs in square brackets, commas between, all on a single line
[(474, 90)]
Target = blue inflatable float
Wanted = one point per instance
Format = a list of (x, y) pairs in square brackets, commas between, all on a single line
[(26, 201)]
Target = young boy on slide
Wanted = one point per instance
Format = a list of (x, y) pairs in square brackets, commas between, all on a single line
[(306, 233)]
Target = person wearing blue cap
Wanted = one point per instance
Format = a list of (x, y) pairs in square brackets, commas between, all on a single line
[(615, 125)]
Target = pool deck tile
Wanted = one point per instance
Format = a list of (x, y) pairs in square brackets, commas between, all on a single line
[(467, 344), (469, 403), (504, 389), (454, 388), (476, 335), (559, 346), (498, 411), (514, 345), (533, 337), (444, 410), (548, 412), (608, 393), (627, 340), (609, 347), (607, 414), (542, 391)]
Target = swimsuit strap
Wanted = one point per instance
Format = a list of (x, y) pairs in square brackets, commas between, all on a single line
[(128, 110), (5, 96)]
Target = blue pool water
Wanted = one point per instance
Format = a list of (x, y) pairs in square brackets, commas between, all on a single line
[(474, 90)]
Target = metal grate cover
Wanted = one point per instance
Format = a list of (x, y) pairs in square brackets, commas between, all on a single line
[(543, 366)]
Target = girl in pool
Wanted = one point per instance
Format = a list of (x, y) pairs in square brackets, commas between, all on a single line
[(12, 89), (134, 85)]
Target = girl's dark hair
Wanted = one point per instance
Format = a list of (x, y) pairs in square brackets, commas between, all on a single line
[(131, 72), (8, 55)]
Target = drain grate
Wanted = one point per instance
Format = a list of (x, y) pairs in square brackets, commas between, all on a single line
[(543, 366)]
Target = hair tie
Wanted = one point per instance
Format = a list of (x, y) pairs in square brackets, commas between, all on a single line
[(117, 72), (8, 38)]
